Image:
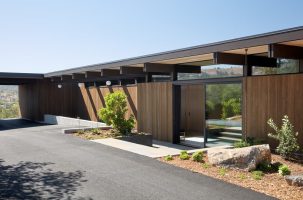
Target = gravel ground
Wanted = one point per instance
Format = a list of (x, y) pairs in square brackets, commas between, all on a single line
[(271, 184)]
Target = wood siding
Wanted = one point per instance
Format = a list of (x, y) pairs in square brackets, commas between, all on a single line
[(45, 97), (155, 109), (192, 109), (272, 97)]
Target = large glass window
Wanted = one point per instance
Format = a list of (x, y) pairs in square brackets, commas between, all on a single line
[(213, 71), (284, 66)]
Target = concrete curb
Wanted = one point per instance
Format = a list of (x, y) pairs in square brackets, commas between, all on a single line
[(73, 130)]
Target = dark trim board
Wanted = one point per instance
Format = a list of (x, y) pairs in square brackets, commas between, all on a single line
[(209, 80), (8, 78)]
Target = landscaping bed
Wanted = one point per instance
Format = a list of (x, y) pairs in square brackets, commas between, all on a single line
[(134, 137), (271, 184)]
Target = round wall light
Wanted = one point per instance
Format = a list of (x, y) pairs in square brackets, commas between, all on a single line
[(108, 83), (59, 86)]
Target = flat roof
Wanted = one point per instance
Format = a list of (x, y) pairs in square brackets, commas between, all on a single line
[(12, 78), (255, 44)]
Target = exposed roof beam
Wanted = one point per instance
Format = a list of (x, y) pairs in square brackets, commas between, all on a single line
[(131, 70), (187, 69), (55, 79), (158, 67), (110, 72), (238, 59), (168, 68), (66, 77), (90, 74), (285, 51), (78, 76)]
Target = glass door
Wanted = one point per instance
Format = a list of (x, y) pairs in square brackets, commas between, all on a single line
[(223, 114)]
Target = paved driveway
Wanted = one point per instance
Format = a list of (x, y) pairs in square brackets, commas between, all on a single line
[(39, 162)]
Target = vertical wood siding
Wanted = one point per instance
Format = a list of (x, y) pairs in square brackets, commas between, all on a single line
[(192, 109), (272, 97), (155, 109), (45, 97)]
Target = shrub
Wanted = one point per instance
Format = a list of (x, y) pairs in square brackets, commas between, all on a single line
[(241, 144), (257, 175), (222, 171), (114, 113), (231, 107), (168, 158), (283, 170), (95, 131), (285, 135), (184, 155), (242, 176), (265, 167), (198, 156), (205, 165)]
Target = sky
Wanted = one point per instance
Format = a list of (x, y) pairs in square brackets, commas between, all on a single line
[(40, 36)]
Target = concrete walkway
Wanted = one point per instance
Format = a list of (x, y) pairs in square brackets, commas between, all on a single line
[(159, 148), (39, 162)]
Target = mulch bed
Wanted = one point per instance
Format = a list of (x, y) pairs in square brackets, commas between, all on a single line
[(96, 134), (271, 184)]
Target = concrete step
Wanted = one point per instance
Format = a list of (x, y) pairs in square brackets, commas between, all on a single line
[(229, 139), (233, 129), (230, 134)]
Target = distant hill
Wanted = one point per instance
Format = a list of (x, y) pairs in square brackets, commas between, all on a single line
[(9, 88)]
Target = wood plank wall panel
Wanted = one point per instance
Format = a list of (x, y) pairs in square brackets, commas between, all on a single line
[(192, 109), (155, 109), (45, 97), (272, 97), (93, 99)]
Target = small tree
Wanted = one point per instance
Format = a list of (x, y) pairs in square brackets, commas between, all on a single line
[(286, 136), (114, 113)]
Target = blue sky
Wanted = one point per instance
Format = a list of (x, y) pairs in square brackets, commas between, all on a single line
[(47, 35)]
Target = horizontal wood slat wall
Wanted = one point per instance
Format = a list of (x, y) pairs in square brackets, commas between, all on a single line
[(45, 97), (155, 110), (272, 97)]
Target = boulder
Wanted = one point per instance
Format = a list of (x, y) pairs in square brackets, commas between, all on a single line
[(246, 158), (294, 180)]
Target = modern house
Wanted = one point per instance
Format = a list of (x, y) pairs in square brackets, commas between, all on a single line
[(203, 94)]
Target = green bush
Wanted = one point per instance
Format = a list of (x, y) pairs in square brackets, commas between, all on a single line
[(242, 176), (231, 107), (241, 144), (198, 156), (184, 155), (168, 158), (265, 167), (286, 136), (114, 113), (205, 165), (284, 170), (95, 131), (222, 171), (257, 175)]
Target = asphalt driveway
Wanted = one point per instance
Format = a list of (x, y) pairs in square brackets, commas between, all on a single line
[(39, 162)]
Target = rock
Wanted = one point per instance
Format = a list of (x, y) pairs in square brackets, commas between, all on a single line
[(246, 158), (294, 180)]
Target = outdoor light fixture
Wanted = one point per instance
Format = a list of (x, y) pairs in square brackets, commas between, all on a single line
[(59, 86), (80, 84), (108, 83)]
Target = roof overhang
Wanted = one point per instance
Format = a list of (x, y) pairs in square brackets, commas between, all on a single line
[(255, 45), (7, 78)]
